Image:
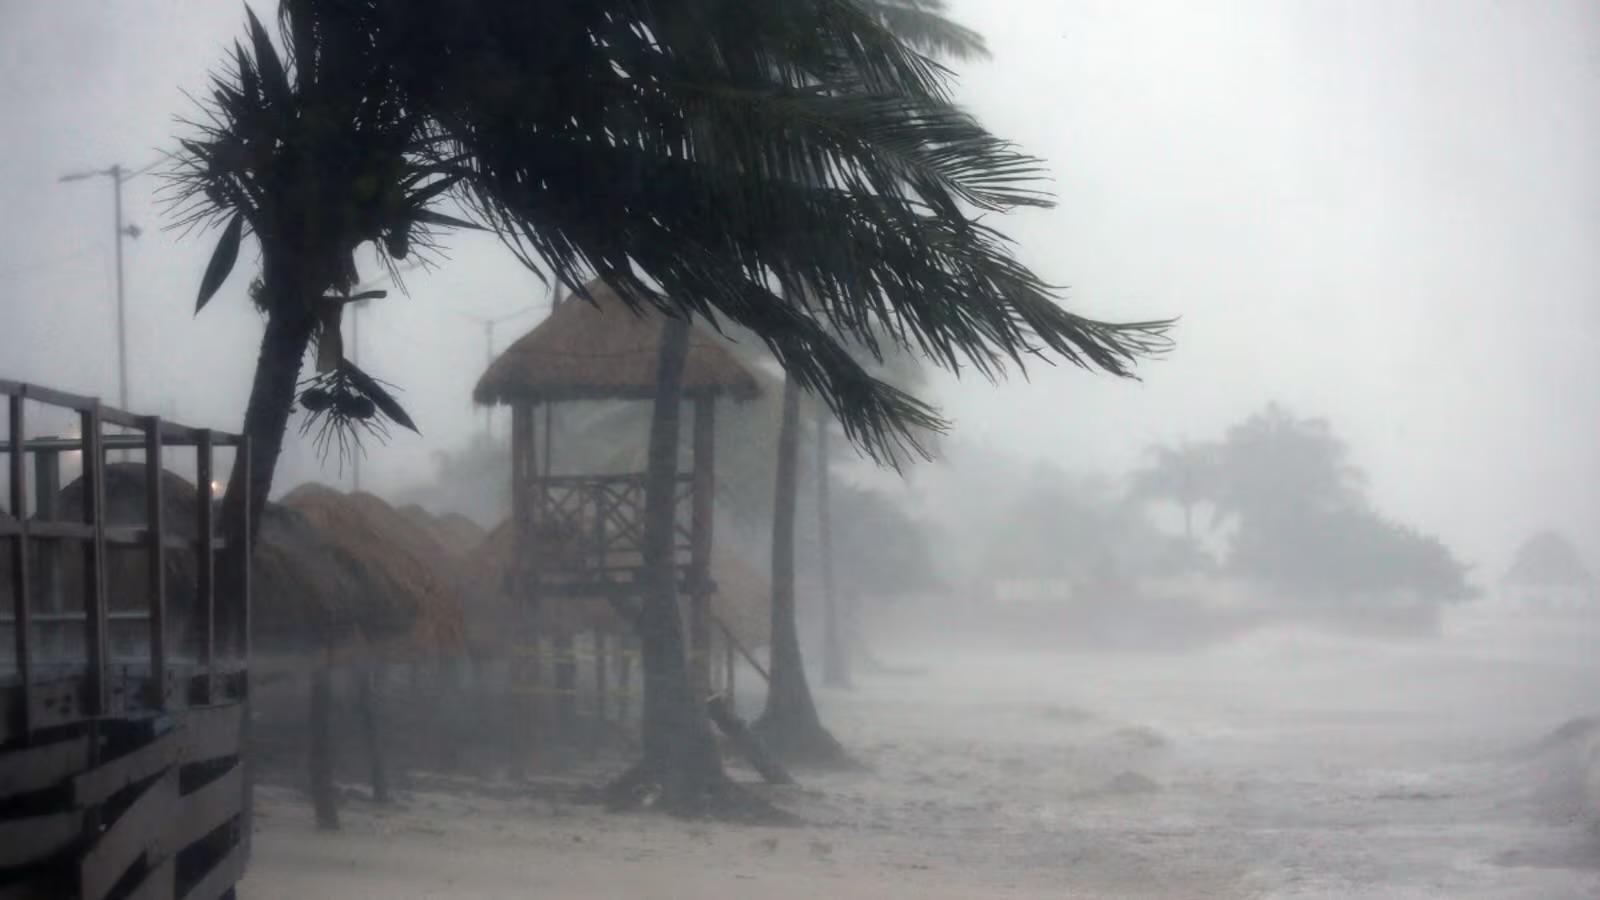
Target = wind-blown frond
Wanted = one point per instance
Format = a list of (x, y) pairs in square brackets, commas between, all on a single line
[(923, 25), (706, 157)]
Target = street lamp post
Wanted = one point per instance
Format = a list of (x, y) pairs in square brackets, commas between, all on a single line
[(118, 176)]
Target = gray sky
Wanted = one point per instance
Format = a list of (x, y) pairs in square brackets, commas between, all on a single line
[(1383, 212)]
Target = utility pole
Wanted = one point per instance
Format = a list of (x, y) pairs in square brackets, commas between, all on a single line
[(488, 323), (488, 360), (118, 176), (355, 357)]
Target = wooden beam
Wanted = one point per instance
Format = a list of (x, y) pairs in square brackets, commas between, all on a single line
[(21, 580), (156, 560), (158, 883), (222, 877), (94, 787), (727, 633), (140, 829), (206, 809), (36, 838), (205, 573), (42, 766), (240, 593), (94, 582)]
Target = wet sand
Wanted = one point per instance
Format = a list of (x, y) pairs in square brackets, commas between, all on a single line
[(1280, 766)]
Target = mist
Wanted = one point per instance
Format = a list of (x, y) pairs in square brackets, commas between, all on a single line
[(1305, 607)]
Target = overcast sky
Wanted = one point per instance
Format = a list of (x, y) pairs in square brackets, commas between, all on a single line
[(1383, 212)]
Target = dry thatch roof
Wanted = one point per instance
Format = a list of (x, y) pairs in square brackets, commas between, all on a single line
[(604, 350), (743, 599), (398, 567), (456, 534), (126, 567), (307, 591)]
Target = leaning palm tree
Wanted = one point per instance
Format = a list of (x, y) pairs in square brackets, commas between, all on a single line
[(705, 157), (790, 725)]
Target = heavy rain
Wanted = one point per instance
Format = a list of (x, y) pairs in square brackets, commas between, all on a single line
[(851, 448)]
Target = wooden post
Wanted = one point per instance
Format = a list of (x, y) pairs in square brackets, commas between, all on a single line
[(239, 594), (21, 583), (703, 484), (205, 571), (367, 699), (526, 663), (94, 582), (156, 560), (46, 508), (324, 797), (628, 647), (731, 663), (602, 658)]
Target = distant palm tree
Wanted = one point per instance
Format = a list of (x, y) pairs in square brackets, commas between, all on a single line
[(1185, 474), (790, 724), (706, 158)]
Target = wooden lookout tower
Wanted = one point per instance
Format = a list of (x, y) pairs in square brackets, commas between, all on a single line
[(578, 535)]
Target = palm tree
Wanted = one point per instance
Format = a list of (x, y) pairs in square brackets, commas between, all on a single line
[(790, 725), (705, 157), (1186, 474)]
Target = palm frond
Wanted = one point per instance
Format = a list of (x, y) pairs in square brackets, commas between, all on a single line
[(923, 25)]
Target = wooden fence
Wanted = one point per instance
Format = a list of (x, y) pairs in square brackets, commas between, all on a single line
[(122, 774)]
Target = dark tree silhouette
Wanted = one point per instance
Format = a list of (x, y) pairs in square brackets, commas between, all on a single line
[(703, 158)]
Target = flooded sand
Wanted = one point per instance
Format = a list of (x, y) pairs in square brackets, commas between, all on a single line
[(1277, 767)]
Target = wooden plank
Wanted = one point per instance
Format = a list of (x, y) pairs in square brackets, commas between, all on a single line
[(201, 812), (138, 831), (156, 563), (121, 418), (205, 575), (35, 838), (222, 877), (95, 786), (47, 765), (240, 592), (94, 582), (49, 396), (212, 732), (727, 634), (62, 531), (21, 559), (159, 883), (46, 507)]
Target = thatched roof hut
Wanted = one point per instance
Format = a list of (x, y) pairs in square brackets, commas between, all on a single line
[(456, 534), (605, 350), (404, 580), (320, 576), (127, 506), (743, 599)]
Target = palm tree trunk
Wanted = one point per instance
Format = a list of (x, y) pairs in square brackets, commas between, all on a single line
[(835, 646), (266, 418), (680, 754), (324, 796), (789, 725), (371, 735)]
